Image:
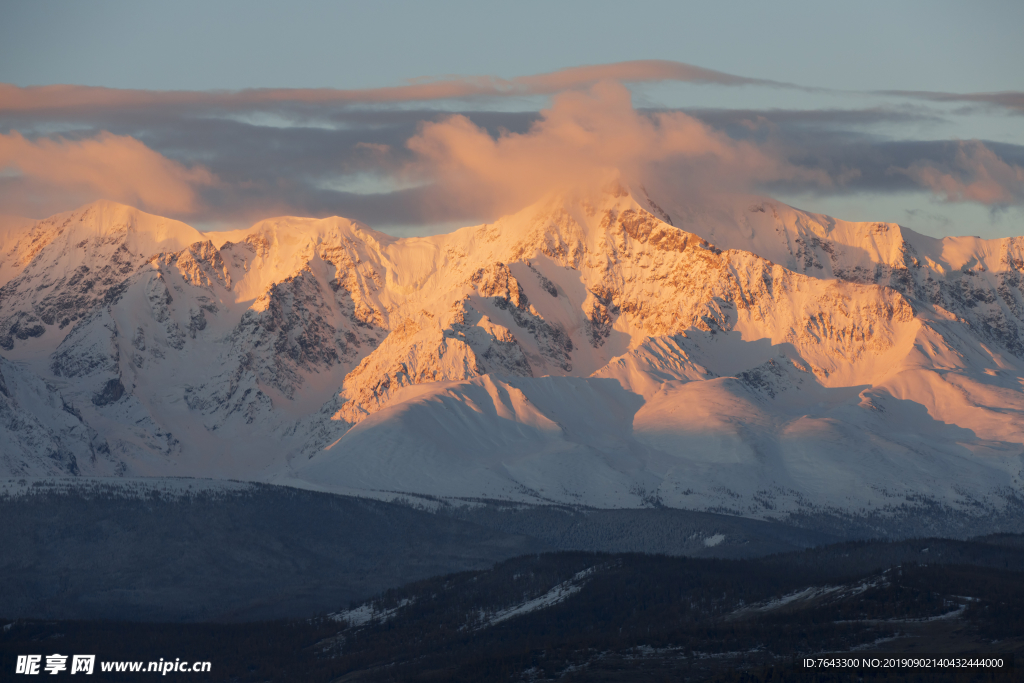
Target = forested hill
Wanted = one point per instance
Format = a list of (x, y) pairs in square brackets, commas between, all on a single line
[(621, 617)]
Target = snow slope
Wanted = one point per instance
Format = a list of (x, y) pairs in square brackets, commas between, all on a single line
[(752, 359)]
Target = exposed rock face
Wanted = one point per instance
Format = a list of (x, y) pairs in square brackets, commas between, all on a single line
[(111, 392), (584, 351)]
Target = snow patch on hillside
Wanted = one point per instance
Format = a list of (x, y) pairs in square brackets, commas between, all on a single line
[(556, 595)]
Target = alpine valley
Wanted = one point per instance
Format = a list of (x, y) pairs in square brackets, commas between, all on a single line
[(600, 350)]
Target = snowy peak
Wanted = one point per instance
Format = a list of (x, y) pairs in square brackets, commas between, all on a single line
[(279, 248), (824, 246), (65, 266), (100, 223)]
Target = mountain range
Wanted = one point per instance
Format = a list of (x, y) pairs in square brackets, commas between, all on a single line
[(600, 349)]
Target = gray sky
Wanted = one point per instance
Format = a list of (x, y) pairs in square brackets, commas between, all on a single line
[(902, 111)]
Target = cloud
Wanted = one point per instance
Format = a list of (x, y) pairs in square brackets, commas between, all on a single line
[(388, 162), (975, 174), (804, 123), (585, 140), (641, 71), (106, 166), (1013, 101), (865, 164), (375, 147), (264, 170), (62, 97)]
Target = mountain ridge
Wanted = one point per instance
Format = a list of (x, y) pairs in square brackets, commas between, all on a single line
[(715, 378)]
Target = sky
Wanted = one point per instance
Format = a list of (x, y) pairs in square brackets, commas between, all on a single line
[(421, 117)]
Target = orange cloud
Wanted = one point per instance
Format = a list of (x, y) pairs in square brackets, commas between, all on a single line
[(585, 140), (50, 97), (107, 166), (977, 174)]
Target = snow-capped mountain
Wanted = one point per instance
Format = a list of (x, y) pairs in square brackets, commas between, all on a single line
[(602, 349)]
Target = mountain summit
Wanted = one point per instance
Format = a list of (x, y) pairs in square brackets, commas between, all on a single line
[(603, 350)]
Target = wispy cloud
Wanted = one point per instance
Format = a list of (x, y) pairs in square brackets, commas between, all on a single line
[(51, 97), (975, 174), (584, 140), (109, 166), (1010, 101)]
